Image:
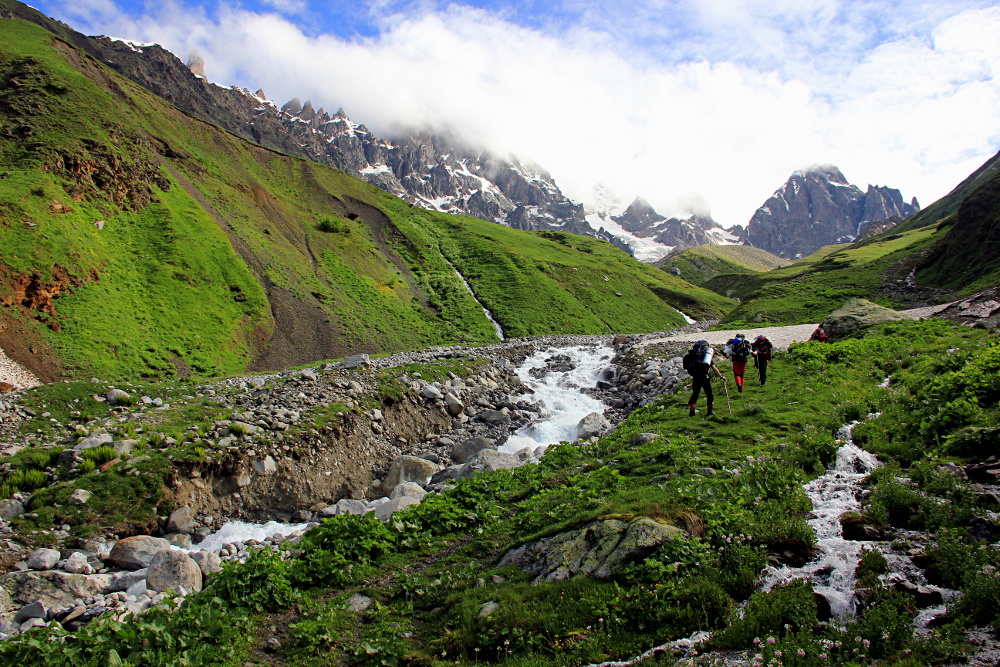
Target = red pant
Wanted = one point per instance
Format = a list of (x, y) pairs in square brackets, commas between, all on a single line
[(739, 367)]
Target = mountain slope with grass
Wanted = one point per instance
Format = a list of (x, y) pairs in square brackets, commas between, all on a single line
[(700, 264), (909, 266), (136, 240)]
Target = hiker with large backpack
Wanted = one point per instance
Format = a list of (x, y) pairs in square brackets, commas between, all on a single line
[(762, 354), (699, 363), (738, 349)]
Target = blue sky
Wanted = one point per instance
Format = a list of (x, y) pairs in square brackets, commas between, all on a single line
[(696, 105)]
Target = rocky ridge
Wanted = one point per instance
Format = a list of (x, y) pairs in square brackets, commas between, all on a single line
[(820, 207)]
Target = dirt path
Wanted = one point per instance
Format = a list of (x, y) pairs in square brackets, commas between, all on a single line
[(781, 337)]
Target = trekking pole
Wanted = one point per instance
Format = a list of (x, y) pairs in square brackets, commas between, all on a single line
[(726, 386)]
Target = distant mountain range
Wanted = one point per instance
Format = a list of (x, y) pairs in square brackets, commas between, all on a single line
[(437, 172)]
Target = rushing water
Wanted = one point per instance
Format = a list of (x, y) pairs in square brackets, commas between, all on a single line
[(240, 531), (560, 393), (833, 494)]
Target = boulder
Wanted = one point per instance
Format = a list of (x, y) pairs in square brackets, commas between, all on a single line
[(208, 561), (174, 570), (117, 397), (408, 469), (593, 424), (355, 361), (488, 459), (409, 489), (430, 392), (386, 510), (43, 559), (265, 466), (135, 553), (34, 610), (493, 417), (859, 313), (125, 580), (344, 506), (601, 549), (463, 451), (76, 563), (10, 508), (54, 588), (182, 521), (179, 540), (96, 440)]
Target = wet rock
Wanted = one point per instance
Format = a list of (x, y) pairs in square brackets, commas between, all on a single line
[(408, 469), (983, 529), (208, 561), (922, 595), (824, 612), (174, 570), (182, 520), (793, 553), (43, 559), (463, 451), (79, 497), (135, 553), (854, 527)]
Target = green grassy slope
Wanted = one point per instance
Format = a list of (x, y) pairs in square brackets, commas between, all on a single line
[(700, 264), (216, 254), (949, 204)]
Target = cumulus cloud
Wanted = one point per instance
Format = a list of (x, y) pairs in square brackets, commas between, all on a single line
[(682, 102)]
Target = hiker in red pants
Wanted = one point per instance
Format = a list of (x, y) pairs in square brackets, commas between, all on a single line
[(738, 349)]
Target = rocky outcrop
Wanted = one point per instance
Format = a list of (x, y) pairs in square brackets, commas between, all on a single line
[(819, 207), (600, 549), (859, 313), (642, 220)]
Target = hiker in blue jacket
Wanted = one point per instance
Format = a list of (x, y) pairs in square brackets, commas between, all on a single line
[(738, 349)]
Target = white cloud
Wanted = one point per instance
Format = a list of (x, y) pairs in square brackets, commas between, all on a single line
[(793, 83), (287, 6)]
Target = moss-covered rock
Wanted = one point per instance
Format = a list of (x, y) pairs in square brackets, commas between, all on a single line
[(859, 313)]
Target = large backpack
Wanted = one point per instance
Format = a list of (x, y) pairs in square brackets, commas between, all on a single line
[(740, 347), (692, 361), (764, 348)]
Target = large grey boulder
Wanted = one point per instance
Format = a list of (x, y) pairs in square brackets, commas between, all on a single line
[(463, 451), (488, 460), (174, 570), (43, 559), (430, 392), (355, 361), (858, 313), (600, 549), (96, 440), (593, 424), (54, 588), (409, 469), (493, 417), (135, 553), (182, 520)]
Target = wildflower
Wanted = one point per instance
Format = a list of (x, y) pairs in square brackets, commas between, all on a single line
[(777, 654), (771, 640), (801, 653), (822, 656), (756, 641), (866, 643)]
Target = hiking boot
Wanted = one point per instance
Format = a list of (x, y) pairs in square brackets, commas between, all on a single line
[(709, 413), (691, 411), (739, 388)]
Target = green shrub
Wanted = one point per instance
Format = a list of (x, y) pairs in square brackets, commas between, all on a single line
[(27, 480), (100, 455), (260, 583), (336, 551), (87, 466)]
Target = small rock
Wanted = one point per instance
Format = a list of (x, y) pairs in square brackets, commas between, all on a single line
[(358, 603), (410, 489), (487, 608), (34, 610), (208, 561), (182, 521), (79, 497)]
